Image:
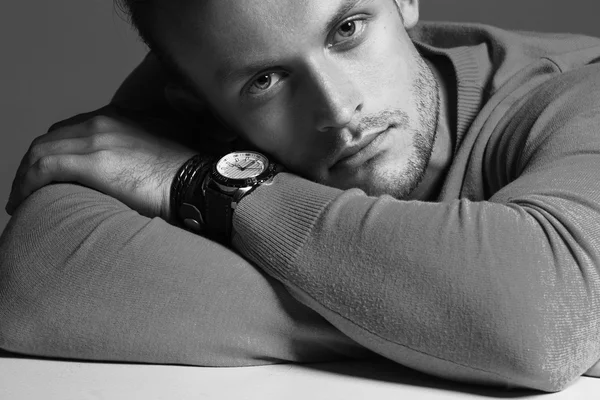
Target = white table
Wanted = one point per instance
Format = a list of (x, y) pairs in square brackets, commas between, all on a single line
[(28, 378)]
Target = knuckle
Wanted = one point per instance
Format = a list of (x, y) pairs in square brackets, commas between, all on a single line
[(54, 165), (37, 141), (101, 140), (77, 119), (103, 156), (36, 151), (45, 165), (58, 125), (41, 147), (100, 123)]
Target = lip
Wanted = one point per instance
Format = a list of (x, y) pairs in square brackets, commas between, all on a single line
[(355, 155)]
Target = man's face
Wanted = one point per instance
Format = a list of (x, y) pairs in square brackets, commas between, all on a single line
[(334, 90)]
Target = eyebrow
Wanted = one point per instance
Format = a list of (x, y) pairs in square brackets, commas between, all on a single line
[(228, 73)]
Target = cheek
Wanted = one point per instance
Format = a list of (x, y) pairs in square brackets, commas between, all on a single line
[(386, 64), (398, 73)]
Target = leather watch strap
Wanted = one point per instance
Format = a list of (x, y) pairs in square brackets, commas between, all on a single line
[(219, 213), (184, 184)]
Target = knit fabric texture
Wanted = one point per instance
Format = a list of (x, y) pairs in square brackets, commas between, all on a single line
[(495, 282)]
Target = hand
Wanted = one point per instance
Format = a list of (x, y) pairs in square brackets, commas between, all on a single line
[(107, 152)]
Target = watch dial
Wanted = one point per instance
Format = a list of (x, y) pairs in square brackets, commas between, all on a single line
[(242, 165)]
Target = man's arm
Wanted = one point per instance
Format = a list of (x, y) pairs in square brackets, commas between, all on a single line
[(505, 290), (83, 276), (425, 284)]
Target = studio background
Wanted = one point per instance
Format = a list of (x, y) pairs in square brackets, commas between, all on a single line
[(64, 57)]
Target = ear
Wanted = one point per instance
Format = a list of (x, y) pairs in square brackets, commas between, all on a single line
[(409, 9)]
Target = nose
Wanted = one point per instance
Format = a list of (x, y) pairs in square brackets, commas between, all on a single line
[(337, 98)]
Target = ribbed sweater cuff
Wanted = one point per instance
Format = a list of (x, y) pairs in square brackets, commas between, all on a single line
[(273, 223)]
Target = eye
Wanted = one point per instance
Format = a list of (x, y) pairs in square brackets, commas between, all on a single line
[(264, 82), (349, 29)]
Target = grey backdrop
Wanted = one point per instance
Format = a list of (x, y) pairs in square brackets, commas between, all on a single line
[(64, 57)]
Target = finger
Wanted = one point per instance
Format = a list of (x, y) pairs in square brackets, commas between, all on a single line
[(94, 125), (76, 145), (49, 148), (48, 169), (52, 141), (64, 147), (65, 137), (72, 144), (55, 142), (108, 111), (91, 135)]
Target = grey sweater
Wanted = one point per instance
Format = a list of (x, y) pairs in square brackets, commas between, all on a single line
[(496, 282)]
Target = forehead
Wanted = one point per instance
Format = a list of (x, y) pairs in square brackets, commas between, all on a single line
[(230, 34), (257, 18)]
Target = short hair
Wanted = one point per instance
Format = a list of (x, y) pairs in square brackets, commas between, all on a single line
[(136, 12), (140, 15)]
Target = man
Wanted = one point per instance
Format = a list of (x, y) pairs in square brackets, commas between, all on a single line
[(439, 207)]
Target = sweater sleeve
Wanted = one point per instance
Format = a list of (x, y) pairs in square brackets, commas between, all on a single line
[(83, 276), (504, 290)]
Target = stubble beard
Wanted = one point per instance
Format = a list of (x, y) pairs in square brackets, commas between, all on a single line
[(401, 182)]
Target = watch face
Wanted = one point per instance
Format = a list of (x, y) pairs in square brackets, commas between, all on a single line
[(242, 165)]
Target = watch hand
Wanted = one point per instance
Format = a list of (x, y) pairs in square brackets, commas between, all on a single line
[(246, 166)]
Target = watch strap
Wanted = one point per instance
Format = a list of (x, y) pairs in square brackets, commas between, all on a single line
[(219, 213), (186, 183), (207, 206)]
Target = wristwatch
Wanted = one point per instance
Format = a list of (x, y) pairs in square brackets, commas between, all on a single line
[(209, 208)]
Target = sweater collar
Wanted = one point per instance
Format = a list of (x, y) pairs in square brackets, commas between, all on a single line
[(468, 74)]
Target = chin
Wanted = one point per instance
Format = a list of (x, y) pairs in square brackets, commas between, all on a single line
[(398, 182)]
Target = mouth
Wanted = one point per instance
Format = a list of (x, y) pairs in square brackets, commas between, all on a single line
[(368, 147)]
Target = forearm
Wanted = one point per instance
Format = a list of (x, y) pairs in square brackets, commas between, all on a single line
[(482, 292), (83, 276)]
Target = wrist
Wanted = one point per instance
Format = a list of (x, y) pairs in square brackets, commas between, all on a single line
[(206, 191)]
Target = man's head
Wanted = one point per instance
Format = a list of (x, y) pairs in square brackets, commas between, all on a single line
[(333, 89)]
